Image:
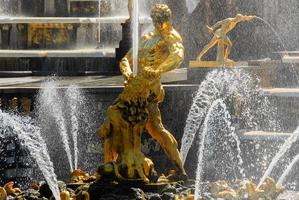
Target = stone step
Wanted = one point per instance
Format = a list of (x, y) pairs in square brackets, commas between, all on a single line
[(282, 92), (78, 53), (69, 20), (290, 59), (263, 135)]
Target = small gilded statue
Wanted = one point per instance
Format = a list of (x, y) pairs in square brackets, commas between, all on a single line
[(220, 31), (137, 107)]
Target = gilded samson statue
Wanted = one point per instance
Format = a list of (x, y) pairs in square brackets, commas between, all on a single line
[(138, 105)]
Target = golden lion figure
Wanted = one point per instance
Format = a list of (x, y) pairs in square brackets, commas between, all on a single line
[(122, 132)]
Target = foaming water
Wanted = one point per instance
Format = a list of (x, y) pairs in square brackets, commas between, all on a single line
[(287, 171), (31, 138), (50, 107), (232, 85), (283, 149)]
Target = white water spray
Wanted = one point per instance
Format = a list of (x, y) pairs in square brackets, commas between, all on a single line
[(31, 138), (209, 126), (201, 149), (74, 95), (225, 84), (50, 102), (283, 149), (287, 171)]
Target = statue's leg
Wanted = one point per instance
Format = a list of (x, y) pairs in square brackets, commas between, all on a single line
[(229, 45), (110, 154), (156, 129), (211, 44)]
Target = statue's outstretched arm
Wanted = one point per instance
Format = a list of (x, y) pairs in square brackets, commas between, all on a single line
[(175, 58), (125, 65)]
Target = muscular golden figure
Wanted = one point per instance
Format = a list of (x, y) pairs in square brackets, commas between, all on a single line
[(159, 51), (220, 30)]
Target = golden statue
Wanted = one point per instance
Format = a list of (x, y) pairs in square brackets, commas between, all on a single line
[(138, 105), (220, 38)]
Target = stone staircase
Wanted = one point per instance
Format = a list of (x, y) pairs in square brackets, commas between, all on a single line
[(76, 43)]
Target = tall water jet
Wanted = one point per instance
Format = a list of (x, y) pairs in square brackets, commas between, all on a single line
[(283, 149), (99, 24), (74, 98), (135, 30), (287, 171), (50, 105), (30, 136)]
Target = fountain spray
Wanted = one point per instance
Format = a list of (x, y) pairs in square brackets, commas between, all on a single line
[(99, 26), (284, 148), (135, 29), (287, 171)]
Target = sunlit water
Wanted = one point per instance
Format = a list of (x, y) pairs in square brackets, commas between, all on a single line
[(237, 87), (287, 170), (283, 149), (282, 43), (75, 99), (217, 136), (31, 138), (135, 38), (50, 107)]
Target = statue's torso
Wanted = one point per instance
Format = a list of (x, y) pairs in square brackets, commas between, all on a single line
[(227, 26), (153, 51)]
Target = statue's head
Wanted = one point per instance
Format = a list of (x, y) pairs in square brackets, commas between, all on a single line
[(161, 16)]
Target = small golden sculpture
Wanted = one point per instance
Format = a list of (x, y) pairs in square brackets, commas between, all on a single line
[(3, 194), (220, 38), (138, 105), (65, 195), (79, 176), (11, 190), (245, 190)]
